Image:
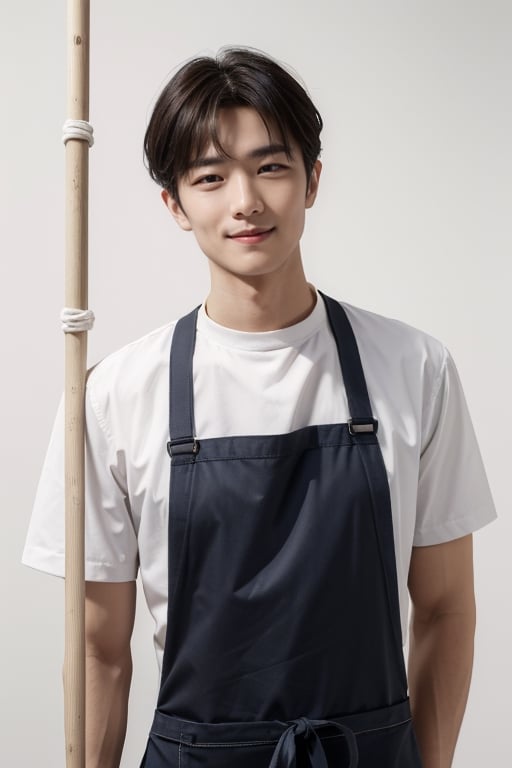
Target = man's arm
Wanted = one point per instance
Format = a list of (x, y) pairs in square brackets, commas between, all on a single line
[(109, 617), (441, 645)]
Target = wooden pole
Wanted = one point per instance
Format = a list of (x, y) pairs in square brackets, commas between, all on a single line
[(76, 269)]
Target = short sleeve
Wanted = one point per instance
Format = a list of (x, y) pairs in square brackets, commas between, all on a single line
[(111, 541), (454, 498)]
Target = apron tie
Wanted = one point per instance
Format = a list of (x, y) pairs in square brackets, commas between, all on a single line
[(285, 752)]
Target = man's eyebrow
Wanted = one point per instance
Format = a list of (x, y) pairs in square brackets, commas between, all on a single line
[(270, 149), (265, 151)]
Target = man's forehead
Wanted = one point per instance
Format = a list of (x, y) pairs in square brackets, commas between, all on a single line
[(241, 131)]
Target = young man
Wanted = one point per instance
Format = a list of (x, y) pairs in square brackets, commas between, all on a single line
[(323, 463)]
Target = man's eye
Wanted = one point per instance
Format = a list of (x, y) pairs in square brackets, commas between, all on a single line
[(210, 178), (271, 168)]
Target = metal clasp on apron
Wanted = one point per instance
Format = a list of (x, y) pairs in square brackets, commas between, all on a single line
[(183, 446), (356, 426)]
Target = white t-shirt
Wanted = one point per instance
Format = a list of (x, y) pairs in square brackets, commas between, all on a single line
[(261, 383)]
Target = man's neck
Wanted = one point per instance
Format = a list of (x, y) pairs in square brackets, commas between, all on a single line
[(260, 304)]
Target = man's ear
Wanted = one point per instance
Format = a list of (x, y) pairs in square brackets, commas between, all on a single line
[(176, 210), (314, 180)]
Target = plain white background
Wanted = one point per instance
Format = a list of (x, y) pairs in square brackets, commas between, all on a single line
[(412, 221)]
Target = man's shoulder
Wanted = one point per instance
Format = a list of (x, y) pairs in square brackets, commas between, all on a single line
[(397, 356), (392, 338), (134, 367)]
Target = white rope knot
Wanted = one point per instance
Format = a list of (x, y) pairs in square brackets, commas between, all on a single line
[(76, 320), (78, 129)]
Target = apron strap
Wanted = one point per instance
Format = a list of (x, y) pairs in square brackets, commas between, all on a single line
[(181, 387), (352, 370)]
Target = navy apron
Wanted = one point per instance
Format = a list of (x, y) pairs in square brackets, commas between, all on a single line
[(283, 646)]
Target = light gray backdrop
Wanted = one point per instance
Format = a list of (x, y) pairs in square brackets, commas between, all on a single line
[(412, 221)]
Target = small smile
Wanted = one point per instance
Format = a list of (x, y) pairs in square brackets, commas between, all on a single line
[(252, 235)]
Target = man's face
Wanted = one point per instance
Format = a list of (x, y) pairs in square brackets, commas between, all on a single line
[(247, 211)]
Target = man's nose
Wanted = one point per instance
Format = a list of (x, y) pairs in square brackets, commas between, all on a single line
[(246, 200)]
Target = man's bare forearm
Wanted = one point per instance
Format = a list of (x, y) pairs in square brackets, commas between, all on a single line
[(441, 645), (440, 664), (109, 616), (107, 690)]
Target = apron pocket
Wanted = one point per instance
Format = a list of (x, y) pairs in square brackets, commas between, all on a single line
[(391, 747), (162, 753), (250, 755)]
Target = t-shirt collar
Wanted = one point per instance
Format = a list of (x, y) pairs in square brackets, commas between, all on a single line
[(292, 336)]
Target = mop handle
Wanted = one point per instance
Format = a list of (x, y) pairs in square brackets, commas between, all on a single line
[(77, 178)]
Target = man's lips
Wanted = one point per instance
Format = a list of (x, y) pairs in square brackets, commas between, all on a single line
[(256, 234)]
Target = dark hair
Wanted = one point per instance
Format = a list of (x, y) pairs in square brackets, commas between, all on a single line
[(184, 118)]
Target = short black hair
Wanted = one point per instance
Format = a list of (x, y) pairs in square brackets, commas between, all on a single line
[(184, 119)]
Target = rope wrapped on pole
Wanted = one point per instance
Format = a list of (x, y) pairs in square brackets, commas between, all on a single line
[(78, 138)]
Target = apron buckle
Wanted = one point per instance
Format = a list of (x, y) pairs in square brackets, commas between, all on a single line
[(183, 446), (356, 426)]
